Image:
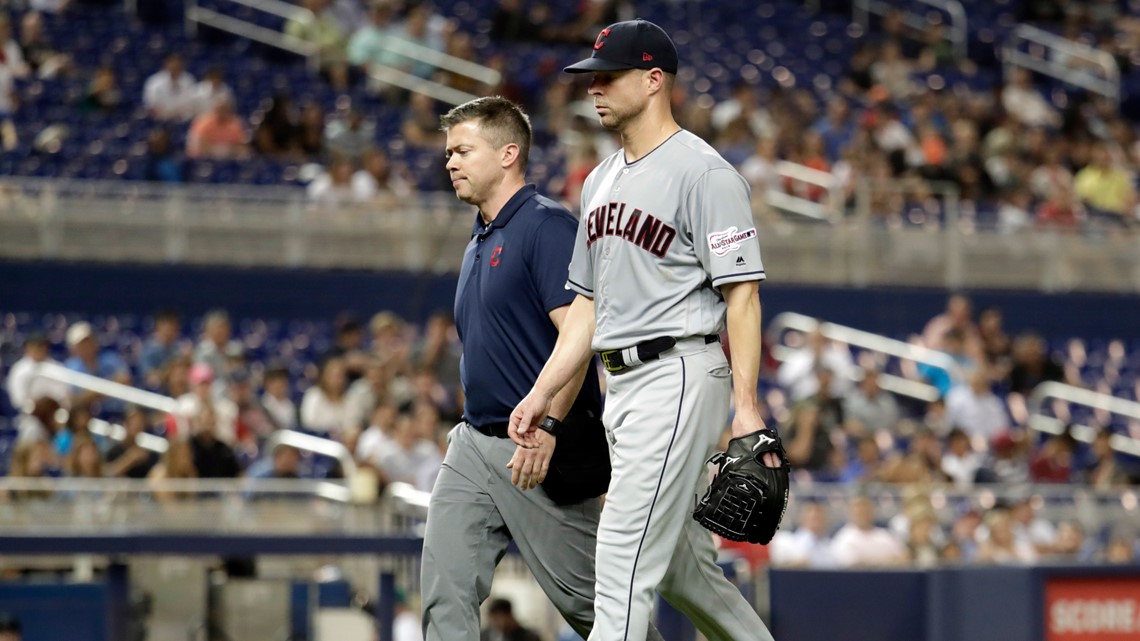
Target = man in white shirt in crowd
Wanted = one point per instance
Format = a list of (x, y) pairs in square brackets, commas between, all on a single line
[(171, 94), (277, 400), (862, 543), (809, 546), (961, 463), (975, 409), (869, 409), (797, 374), (23, 386)]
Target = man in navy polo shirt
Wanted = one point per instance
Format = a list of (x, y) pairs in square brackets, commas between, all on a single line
[(509, 304)]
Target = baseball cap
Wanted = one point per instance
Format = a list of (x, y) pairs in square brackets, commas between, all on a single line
[(78, 332), (633, 44)]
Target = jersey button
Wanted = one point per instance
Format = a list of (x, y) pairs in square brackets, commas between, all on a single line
[(625, 171)]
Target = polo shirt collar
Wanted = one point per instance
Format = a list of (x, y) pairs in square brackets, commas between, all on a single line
[(507, 212)]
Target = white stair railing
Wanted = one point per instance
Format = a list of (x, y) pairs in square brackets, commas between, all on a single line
[(956, 34), (1076, 67), (197, 15), (781, 323), (831, 209), (126, 393), (1080, 396)]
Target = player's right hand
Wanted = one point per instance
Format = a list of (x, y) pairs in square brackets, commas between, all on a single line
[(525, 419)]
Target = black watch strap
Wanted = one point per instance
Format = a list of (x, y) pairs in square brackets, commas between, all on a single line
[(552, 425)]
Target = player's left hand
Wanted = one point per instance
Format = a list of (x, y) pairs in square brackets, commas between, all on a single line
[(529, 465), (747, 422)]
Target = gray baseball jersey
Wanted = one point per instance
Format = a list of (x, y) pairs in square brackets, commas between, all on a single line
[(657, 236)]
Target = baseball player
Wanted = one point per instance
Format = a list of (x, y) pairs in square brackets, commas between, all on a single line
[(666, 252), (509, 305)]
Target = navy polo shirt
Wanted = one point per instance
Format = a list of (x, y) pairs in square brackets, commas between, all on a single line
[(514, 273)]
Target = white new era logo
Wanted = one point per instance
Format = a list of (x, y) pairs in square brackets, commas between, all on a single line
[(763, 440)]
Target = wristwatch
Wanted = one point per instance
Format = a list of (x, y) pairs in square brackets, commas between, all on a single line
[(552, 425)]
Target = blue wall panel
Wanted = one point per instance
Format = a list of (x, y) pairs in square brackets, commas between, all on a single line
[(52, 612)]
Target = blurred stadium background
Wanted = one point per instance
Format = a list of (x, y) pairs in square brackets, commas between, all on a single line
[(227, 250)]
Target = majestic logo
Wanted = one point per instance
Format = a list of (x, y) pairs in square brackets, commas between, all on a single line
[(600, 42), (762, 440), (740, 260), (722, 242), (640, 228), (495, 255)]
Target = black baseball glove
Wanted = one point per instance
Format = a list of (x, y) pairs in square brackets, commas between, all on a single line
[(746, 500)]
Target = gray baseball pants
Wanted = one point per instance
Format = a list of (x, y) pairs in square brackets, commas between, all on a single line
[(474, 514)]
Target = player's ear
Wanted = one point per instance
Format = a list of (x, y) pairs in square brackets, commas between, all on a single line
[(655, 80), (510, 155)]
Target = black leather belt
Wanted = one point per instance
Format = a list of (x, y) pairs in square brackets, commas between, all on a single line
[(497, 430), (615, 360)]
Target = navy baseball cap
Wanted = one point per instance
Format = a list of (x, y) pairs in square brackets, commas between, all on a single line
[(633, 44)]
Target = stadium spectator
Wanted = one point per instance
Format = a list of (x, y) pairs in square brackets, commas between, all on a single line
[(868, 408), (282, 463), (1009, 463), (503, 626), (421, 26), (212, 457), (920, 463), (975, 409), (1053, 462), (276, 398), (1059, 211), (799, 372), (744, 104), (211, 90), (921, 548), (809, 545), (377, 181), (957, 316), (177, 463), (323, 408), (864, 468), (84, 460), (1052, 174), (1102, 471), (996, 346), (411, 459), (366, 393), (319, 27), (808, 436), (1032, 364), (311, 132), (32, 460), (389, 340), (1121, 549), (1106, 189), (438, 349), (161, 347), (954, 344), (23, 385), (42, 58), (211, 349), (368, 46), (102, 94), (960, 462), (13, 56), (1031, 528), (861, 543), (252, 422), (376, 442), (349, 135), (893, 71), (203, 383), (1021, 100), (332, 188), (87, 358), (40, 423), (421, 123), (276, 133), (128, 459), (160, 163), (999, 545), (9, 627), (175, 377), (218, 133), (1015, 211), (169, 94)]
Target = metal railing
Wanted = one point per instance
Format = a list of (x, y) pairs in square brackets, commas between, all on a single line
[(830, 209), (198, 15), (1041, 57), (956, 34), (1038, 420), (59, 373), (781, 323)]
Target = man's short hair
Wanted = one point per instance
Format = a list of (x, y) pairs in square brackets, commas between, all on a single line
[(500, 606), (501, 121)]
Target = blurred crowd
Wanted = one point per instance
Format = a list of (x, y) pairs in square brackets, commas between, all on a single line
[(388, 400), (1027, 150)]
